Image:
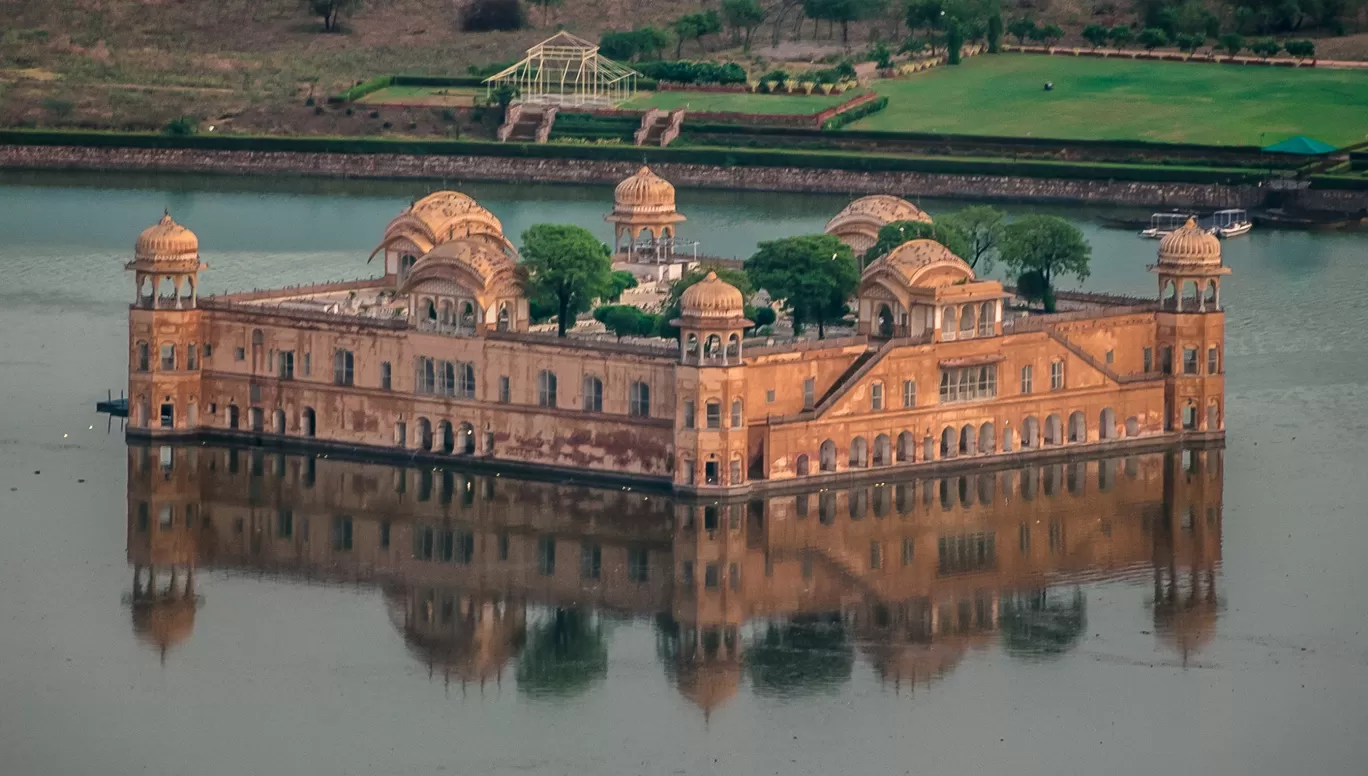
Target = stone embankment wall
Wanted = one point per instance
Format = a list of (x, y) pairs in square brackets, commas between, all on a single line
[(605, 172)]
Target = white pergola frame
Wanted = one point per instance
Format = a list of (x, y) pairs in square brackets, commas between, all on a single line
[(567, 71)]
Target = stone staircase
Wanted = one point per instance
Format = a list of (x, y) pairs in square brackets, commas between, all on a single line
[(525, 123), (658, 128)]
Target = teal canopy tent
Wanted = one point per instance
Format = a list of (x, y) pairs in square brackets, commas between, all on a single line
[(1301, 145)]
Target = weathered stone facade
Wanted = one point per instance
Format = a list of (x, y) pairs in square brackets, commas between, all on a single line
[(434, 360), (512, 169)]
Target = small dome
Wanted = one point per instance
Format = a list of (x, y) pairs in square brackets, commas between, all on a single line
[(167, 241), (712, 297), (475, 263), (923, 262), (644, 193), (1189, 244)]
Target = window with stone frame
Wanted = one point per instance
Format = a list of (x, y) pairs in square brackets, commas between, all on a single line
[(639, 400), (876, 397), (1027, 378), (909, 393), (1056, 375), (546, 388), (1190, 362), (1213, 361)]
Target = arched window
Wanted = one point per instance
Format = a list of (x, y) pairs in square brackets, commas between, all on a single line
[(1078, 428), (883, 450), (1106, 424), (859, 453), (1132, 426), (907, 447), (987, 314), (546, 388), (949, 443), (1213, 416), (949, 323), (987, 438), (432, 311), (308, 422), (445, 316), (144, 356), (968, 439), (827, 455), (885, 321), (467, 316), (1190, 416), (1007, 440), (691, 345), (733, 347), (447, 435), (593, 394), (465, 439), (1030, 433), (503, 316), (966, 326), (424, 434), (712, 347), (737, 416), (280, 421), (801, 465), (448, 378), (1054, 430), (639, 400)]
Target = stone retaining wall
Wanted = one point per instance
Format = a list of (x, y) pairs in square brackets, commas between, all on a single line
[(509, 169)]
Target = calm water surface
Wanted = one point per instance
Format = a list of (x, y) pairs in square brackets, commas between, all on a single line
[(301, 656)]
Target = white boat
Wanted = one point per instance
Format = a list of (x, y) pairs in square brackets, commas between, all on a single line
[(1230, 223), (1163, 223)]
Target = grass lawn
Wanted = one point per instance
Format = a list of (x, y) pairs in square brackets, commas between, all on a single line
[(741, 102), (454, 96), (1126, 99)]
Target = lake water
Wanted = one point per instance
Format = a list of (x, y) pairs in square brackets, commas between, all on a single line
[(319, 650)]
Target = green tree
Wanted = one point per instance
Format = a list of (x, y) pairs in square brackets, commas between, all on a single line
[(844, 12), (1152, 38), (568, 267), (1051, 34), (1188, 44), (895, 233), (982, 229), (1096, 35), (546, 6), (625, 320), (743, 16), (620, 280), (995, 33), (765, 316), (1265, 47), (564, 656), (954, 42), (1022, 28), (1233, 43), (330, 10), (694, 26), (1047, 245), (812, 275), (1301, 49), (1119, 36)]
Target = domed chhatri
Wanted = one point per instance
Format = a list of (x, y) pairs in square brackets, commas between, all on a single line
[(859, 223), (712, 297), (167, 242), (1190, 244), (644, 193)]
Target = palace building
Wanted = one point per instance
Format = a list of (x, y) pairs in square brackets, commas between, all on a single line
[(435, 358)]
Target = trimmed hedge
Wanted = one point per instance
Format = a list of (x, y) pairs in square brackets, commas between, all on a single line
[(855, 114), (1342, 182), (362, 89), (687, 72), (726, 157)]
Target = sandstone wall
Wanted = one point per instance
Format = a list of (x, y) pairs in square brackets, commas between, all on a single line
[(604, 172)]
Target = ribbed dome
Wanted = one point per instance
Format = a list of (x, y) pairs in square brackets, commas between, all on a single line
[(1189, 244), (712, 297), (167, 241), (644, 193)]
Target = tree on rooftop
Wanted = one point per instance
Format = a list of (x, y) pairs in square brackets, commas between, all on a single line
[(1048, 246), (330, 10), (743, 16), (982, 228), (625, 320), (812, 275), (895, 233), (568, 268)]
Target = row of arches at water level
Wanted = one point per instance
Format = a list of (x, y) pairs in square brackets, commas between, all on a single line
[(958, 441)]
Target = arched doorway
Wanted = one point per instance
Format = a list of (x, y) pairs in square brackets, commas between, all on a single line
[(859, 453), (1213, 416), (987, 438), (1106, 424), (1054, 430), (465, 439), (827, 456), (1030, 433), (883, 450), (907, 447), (949, 445), (1132, 426), (885, 321), (308, 422), (447, 436), (801, 466), (1078, 428), (967, 439), (279, 423), (424, 434)]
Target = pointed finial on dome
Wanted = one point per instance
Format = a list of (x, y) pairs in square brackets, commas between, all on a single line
[(166, 217), (710, 276)]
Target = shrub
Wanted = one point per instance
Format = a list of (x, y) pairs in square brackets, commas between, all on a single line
[(685, 72), (375, 114), (387, 125), (349, 111), (1119, 36), (488, 15), (1152, 38), (1265, 47), (363, 88), (1095, 35), (1301, 49), (318, 110), (856, 113), (183, 126), (1233, 43), (309, 101)]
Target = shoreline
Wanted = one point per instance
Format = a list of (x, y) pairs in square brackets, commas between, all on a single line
[(517, 169)]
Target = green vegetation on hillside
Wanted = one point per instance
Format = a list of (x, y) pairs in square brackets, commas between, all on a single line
[(1127, 99)]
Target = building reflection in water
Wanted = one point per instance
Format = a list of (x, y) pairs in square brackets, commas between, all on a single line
[(486, 575)]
